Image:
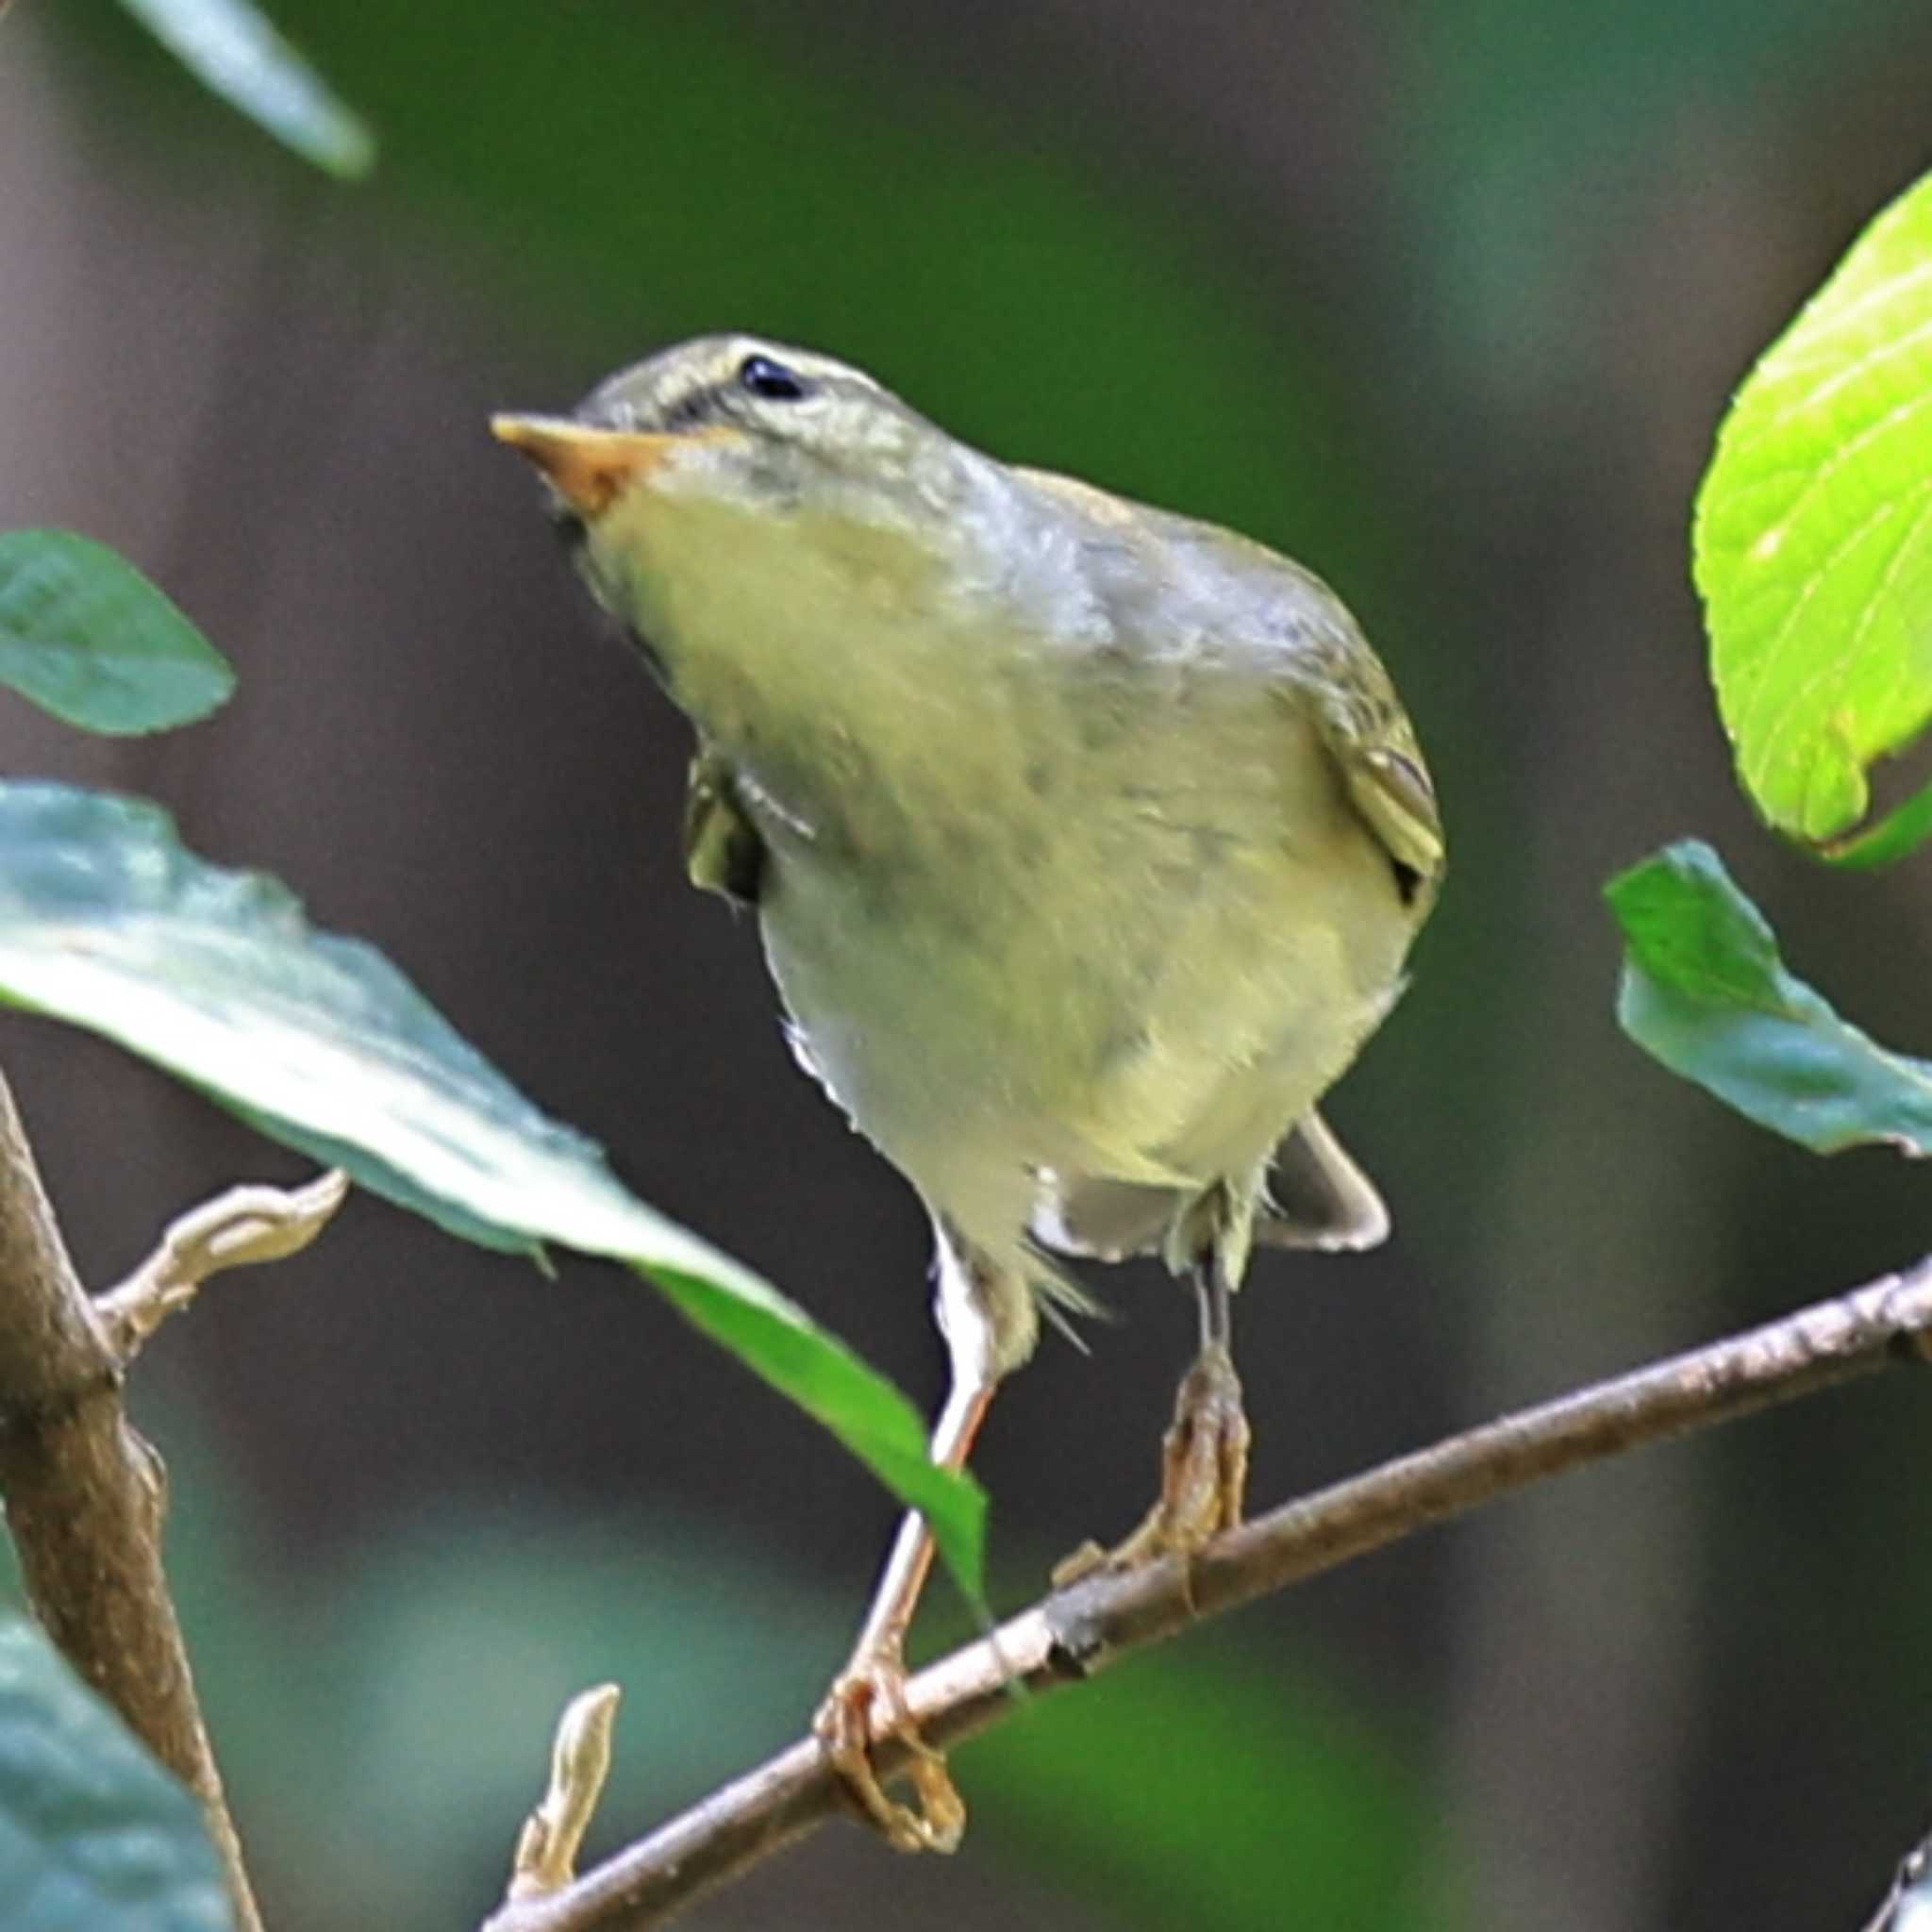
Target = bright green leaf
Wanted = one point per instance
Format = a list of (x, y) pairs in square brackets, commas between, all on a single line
[(1892, 838), (1813, 542), (107, 920), (88, 638), (95, 1835), (1706, 992), (233, 51)]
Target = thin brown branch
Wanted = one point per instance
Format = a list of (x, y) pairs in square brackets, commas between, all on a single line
[(1086, 1629), (85, 1495), (238, 1229)]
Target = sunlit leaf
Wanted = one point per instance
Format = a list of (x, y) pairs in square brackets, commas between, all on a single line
[(95, 1835), (1813, 548), (88, 638), (107, 921), (1706, 992), (234, 50)]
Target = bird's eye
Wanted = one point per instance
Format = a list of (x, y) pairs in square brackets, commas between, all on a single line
[(764, 377)]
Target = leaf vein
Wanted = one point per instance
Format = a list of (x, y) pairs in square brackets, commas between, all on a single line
[(1775, 648), (1850, 371)]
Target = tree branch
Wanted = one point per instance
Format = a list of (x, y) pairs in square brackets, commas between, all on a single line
[(1085, 1629), (85, 1495)]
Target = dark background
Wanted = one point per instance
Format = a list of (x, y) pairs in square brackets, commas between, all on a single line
[(1445, 300)]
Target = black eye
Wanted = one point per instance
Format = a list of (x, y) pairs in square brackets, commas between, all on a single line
[(763, 377)]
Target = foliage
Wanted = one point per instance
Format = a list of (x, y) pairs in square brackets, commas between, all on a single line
[(630, 204), (1814, 545), (94, 1835), (1813, 551), (1705, 990), (233, 50), (88, 638), (107, 920)]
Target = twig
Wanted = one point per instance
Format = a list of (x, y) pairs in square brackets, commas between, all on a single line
[(85, 1494), (1085, 1629), (547, 1856), (244, 1226)]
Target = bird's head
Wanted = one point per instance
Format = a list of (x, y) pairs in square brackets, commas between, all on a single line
[(711, 490), (747, 423)]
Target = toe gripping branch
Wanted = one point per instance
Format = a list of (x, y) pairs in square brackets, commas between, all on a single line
[(866, 1705)]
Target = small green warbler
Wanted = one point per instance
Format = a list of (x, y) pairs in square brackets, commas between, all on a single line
[(1085, 842)]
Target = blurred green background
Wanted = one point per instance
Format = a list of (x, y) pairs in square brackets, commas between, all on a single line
[(1445, 300)]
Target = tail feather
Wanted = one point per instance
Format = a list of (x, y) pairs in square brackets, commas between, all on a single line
[(1316, 1197)]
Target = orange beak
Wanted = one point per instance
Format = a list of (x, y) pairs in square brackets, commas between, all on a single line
[(588, 468)]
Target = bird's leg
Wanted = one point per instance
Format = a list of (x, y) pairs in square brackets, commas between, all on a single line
[(1205, 1455), (1204, 1465), (867, 1700)]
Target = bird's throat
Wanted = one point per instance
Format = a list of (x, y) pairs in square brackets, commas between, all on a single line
[(810, 648)]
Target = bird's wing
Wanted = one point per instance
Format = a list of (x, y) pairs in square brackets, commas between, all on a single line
[(1373, 746), (1328, 662), (1329, 669), (722, 850)]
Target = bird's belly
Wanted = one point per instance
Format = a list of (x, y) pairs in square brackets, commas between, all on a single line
[(1127, 993)]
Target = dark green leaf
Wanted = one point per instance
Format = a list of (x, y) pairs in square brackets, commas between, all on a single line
[(95, 1835), (107, 920), (1705, 991), (234, 52), (1814, 543), (88, 638)]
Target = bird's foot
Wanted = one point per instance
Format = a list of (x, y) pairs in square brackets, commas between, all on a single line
[(865, 1705), (1204, 1475)]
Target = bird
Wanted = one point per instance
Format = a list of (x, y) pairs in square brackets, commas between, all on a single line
[(1086, 840)]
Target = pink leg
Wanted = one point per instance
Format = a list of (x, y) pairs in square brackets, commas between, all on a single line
[(867, 1701)]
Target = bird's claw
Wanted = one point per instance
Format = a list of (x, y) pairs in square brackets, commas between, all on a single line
[(1204, 1476), (866, 1704)]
